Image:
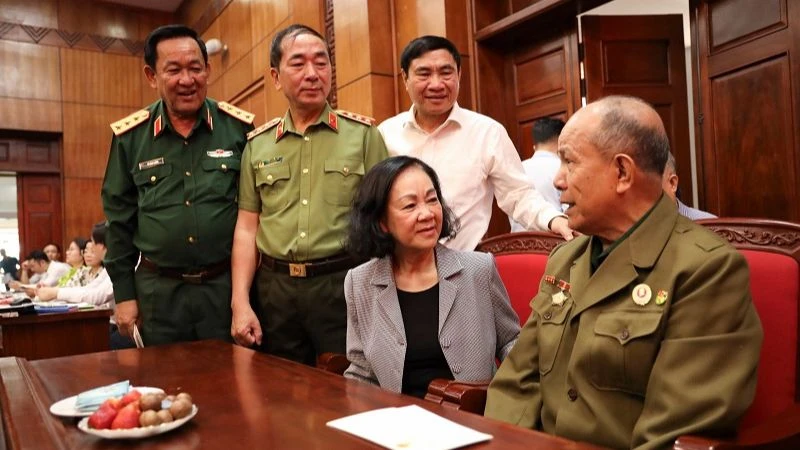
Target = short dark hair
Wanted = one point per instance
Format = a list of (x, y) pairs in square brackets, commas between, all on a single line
[(365, 238), (425, 44), (292, 31), (622, 130), (80, 242), (546, 129), (169, 32), (37, 255), (99, 232), (58, 247)]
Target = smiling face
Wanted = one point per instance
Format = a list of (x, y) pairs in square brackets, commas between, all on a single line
[(180, 76), (413, 213), (432, 83), (304, 73)]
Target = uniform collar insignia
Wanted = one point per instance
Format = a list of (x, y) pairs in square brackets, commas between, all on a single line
[(209, 120), (157, 126), (333, 121), (280, 130)]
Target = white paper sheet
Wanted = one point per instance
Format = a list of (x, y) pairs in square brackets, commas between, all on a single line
[(408, 428)]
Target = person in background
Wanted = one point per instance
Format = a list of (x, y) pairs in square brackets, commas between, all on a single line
[(472, 153), (169, 194), (53, 251), (74, 257), (10, 266), (50, 271), (299, 173), (419, 310), (98, 291), (541, 168), (670, 185), (643, 328)]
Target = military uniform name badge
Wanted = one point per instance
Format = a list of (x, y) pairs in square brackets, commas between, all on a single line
[(150, 163), (220, 153), (559, 297)]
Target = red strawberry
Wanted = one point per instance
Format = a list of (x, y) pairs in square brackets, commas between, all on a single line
[(103, 417), (127, 417)]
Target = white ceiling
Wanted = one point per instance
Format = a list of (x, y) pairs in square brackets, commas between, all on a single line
[(158, 5)]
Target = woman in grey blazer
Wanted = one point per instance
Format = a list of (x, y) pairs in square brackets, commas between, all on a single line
[(418, 310)]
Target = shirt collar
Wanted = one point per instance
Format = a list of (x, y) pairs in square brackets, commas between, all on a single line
[(162, 122), (598, 255), (328, 117), (456, 116)]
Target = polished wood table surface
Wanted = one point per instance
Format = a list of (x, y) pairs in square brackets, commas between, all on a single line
[(37, 336), (245, 399)]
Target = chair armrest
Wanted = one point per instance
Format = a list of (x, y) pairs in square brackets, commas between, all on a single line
[(777, 433), (461, 395), (333, 362)]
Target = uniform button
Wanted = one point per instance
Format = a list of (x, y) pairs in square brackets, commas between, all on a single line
[(346, 170), (625, 334), (224, 167), (188, 203), (305, 202), (191, 239), (547, 315), (305, 170), (185, 142), (302, 234), (269, 177), (188, 174), (306, 138), (153, 179), (572, 394)]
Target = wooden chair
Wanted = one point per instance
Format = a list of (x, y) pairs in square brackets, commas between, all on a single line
[(520, 259)]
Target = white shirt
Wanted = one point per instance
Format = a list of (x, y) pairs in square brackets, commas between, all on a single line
[(475, 160), (55, 270), (541, 169), (99, 291)]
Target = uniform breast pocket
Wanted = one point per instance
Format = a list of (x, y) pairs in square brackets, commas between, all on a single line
[(222, 176), (154, 187), (552, 321), (273, 185), (341, 180), (624, 350)]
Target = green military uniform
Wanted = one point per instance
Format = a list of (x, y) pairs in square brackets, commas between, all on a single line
[(661, 340), (302, 186), (172, 200)]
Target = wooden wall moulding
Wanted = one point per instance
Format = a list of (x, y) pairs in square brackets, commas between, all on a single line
[(524, 242), (61, 38), (757, 234)]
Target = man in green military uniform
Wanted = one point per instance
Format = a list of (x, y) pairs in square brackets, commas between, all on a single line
[(299, 174), (170, 197), (630, 340)]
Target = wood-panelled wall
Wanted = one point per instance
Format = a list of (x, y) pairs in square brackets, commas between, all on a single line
[(74, 92)]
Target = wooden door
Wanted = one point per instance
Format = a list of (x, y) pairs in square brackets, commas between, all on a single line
[(39, 211), (643, 56), (749, 76)]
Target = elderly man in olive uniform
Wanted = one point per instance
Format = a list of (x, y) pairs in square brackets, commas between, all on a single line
[(643, 329), (170, 197), (298, 177)]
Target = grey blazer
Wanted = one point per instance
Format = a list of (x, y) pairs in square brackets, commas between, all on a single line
[(476, 321)]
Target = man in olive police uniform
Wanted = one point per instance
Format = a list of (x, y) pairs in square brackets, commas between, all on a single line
[(299, 174), (170, 197), (643, 328)]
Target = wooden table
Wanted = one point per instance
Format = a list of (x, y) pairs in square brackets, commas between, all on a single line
[(37, 336), (245, 399)]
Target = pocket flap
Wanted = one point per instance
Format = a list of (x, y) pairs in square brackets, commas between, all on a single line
[(152, 175), (626, 326), (223, 164), (345, 166), (269, 175)]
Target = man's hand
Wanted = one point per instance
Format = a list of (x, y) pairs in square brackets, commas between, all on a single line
[(245, 328), (560, 225), (126, 315), (15, 285), (46, 294)]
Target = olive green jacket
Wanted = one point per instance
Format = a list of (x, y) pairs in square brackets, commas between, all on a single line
[(604, 369)]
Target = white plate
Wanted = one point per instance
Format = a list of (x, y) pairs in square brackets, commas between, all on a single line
[(66, 407), (136, 433)]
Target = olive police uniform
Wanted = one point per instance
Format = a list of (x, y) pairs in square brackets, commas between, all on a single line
[(302, 186), (661, 340), (173, 200)]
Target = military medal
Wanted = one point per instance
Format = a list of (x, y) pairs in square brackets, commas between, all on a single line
[(641, 294), (661, 297), (558, 298)]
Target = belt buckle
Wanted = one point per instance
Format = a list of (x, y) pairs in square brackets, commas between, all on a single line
[(192, 278), (297, 270)]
